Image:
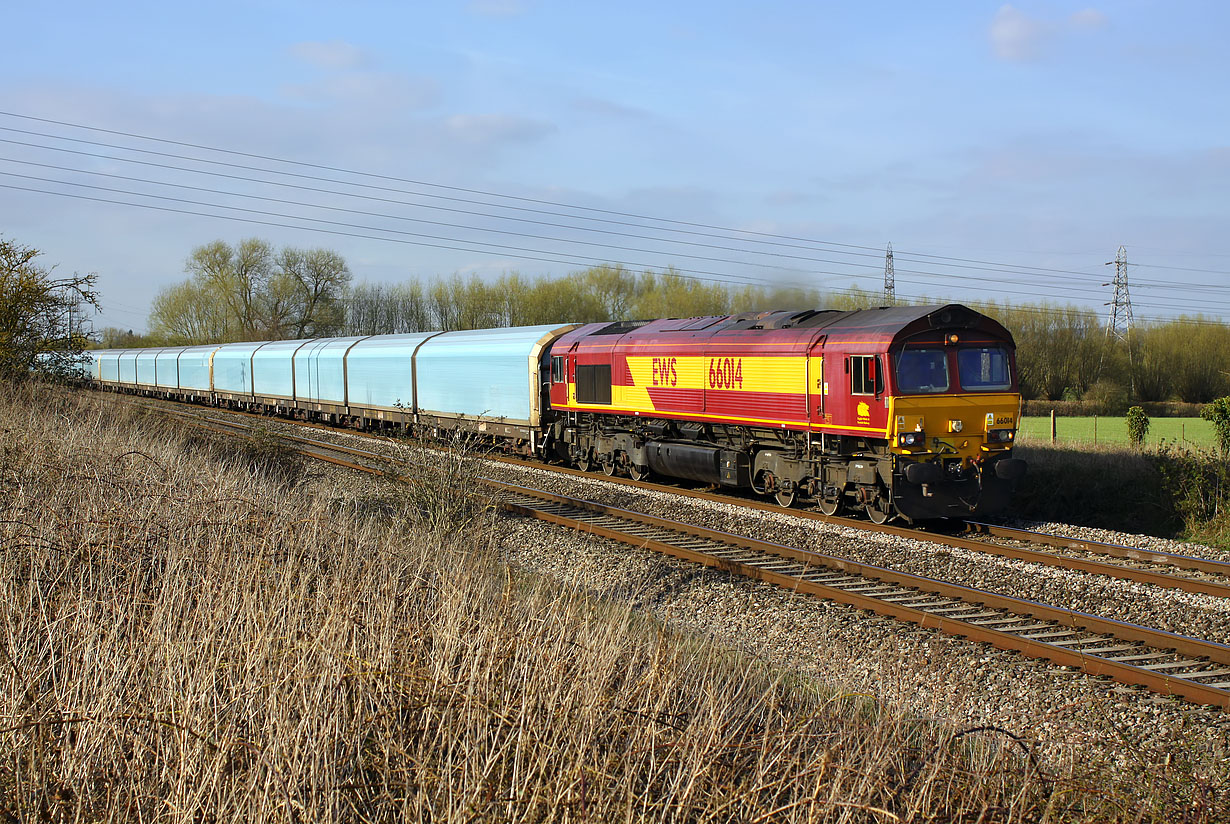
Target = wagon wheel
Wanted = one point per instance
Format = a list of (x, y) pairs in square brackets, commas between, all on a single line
[(879, 511), (583, 462), (830, 507), (785, 499), (638, 473)]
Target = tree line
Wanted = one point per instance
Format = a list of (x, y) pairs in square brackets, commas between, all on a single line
[(251, 291), (1064, 353)]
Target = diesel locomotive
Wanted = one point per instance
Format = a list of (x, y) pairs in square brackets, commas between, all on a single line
[(899, 411), (906, 412)]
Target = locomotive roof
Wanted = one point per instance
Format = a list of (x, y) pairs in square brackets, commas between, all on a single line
[(883, 325), (898, 322)]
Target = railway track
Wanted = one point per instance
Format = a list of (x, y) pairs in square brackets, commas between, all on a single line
[(1201, 576), (1163, 662)]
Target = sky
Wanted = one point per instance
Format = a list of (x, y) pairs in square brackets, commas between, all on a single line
[(1006, 151)]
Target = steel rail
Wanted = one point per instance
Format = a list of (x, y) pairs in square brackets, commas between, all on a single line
[(1068, 623), (1089, 565), (988, 617), (1150, 556)]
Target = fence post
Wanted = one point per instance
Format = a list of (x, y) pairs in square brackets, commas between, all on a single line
[(1095, 429), (1052, 426)]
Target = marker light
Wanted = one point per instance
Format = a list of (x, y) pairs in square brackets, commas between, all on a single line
[(1001, 435), (911, 439)]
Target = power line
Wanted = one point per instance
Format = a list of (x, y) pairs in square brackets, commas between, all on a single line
[(720, 277), (1066, 311), (389, 216), (968, 264), (866, 251), (745, 236), (516, 252), (946, 276), (248, 179)]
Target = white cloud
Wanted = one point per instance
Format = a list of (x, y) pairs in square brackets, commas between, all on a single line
[(609, 108), (336, 54), (788, 197), (394, 91), (491, 129), (1088, 19), (1015, 36)]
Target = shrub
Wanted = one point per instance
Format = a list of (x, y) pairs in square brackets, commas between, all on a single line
[(1219, 413), (439, 492), (1109, 487), (1137, 425), (1197, 484)]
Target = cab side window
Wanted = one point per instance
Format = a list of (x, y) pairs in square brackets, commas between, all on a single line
[(557, 369), (865, 378)]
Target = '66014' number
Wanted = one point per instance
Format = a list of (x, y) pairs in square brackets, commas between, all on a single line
[(725, 373)]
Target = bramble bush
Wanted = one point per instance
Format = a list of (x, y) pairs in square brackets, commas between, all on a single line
[(1137, 425), (1196, 484), (1218, 412)]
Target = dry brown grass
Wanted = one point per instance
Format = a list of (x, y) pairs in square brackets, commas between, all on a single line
[(191, 635)]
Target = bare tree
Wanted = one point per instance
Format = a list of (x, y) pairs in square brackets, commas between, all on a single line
[(192, 312), (321, 276), (248, 291), (42, 318)]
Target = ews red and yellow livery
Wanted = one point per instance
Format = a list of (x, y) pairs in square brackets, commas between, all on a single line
[(900, 411)]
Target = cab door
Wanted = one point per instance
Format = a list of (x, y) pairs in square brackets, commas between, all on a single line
[(571, 367), (868, 404), (817, 384)]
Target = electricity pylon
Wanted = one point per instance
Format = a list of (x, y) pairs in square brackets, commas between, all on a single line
[(890, 279)]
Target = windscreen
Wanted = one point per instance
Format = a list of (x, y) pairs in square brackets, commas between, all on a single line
[(922, 371), (984, 370)]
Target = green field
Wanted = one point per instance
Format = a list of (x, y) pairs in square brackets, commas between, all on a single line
[(1192, 432)]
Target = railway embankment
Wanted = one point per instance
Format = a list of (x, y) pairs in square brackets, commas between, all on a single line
[(1167, 490), (202, 628)]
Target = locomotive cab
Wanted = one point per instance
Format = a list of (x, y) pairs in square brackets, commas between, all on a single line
[(953, 418)]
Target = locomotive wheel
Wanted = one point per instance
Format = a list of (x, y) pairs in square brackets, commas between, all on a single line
[(879, 511), (785, 499), (638, 473), (584, 463), (828, 507), (609, 468)]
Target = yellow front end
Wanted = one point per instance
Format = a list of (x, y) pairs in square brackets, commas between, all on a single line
[(972, 427)]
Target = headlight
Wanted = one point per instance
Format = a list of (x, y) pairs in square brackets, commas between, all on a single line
[(911, 439), (1001, 435)]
